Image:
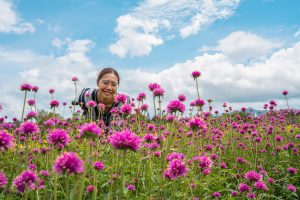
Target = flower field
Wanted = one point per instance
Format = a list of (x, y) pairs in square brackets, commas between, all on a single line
[(181, 153)]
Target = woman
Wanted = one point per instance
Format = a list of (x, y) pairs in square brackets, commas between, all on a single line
[(108, 82)]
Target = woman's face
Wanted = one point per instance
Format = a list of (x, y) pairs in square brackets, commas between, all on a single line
[(108, 85)]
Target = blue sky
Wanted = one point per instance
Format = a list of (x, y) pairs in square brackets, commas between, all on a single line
[(246, 49)]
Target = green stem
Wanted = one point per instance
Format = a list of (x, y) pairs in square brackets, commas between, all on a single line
[(24, 105), (122, 174), (197, 88)]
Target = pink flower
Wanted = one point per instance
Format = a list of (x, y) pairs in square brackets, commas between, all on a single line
[(125, 140), (99, 166), (205, 162), (54, 103), (252, 176), (3, 180), (131, 187), (6, 140), (144, 107), (199, 102), (51, 91), (181, 98), (68, 163), (175, 106), (285, 92), (74, 78), (175, 155), (126, 109), (25, 87), (31, 102), (153, 86), (90, 188), (35, 88), (121, 98), (175, 169), (291, 188), (260, 185), (29, 128), (90, 130), (196, 124), (58, 138), (158, 92), (196, 74), (26, 180), (292, 170), (141, 96), (91, 104), (242, 187)]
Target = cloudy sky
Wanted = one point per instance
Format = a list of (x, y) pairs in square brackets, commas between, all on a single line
[(247, 50)]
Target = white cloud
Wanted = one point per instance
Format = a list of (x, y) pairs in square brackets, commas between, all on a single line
[(297, 34), (10, 21), (149, 24), (225, 81), (241, 46), (47, 72), (137, 37)]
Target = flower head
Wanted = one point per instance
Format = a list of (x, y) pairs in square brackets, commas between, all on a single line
[(25, 87), (291, 188), (91, 104), (196, 124), (181, 97), (196, 74), (29, 128), (26, 180), (126, 109), (141, 96), (205, 162), (252, 176), (74, 78), (121, 98), (68, 163), (260, 185), (99, 166), (54, 103), (153, 86), (125, 140), (243, 187), (58, 137), (51, 91), (175, 106), (31, 102), (285, 92), (175, 169), (158, 92), (175, 155), (90, 130), (3, 180), (6, 141)]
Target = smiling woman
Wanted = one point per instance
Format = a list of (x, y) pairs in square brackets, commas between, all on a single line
[(102, 99)]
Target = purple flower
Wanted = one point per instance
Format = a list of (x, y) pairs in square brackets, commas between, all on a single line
[(153, 86), (74, 78), (199, 102), (158, 92), (284, 92), (31, 102), (68, 163), (260, 185), (6, 141), (181, 97), (26, 180), (216, 194), (125, 109), (125, 140), (90, 188), (251, 195), (121, 98), (205, 162), (252, 176), (131, 187), (35, 88), (54, 103), (44, 173), (196, 74), (29, 128), (51, 91), (242, 187), (91, 104), (90, 130), (291, 188), (175, 169), (141, 96), (58, 138), (31, 114), (196, 124), (172, 156), (144, 107), (3, 180), (99, 166), (175, 106), (292, 170), (25, 87)]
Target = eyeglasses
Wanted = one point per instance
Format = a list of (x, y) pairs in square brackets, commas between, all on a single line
[(107, 82)]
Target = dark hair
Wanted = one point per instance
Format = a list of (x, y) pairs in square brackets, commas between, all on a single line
[(108, 70)]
